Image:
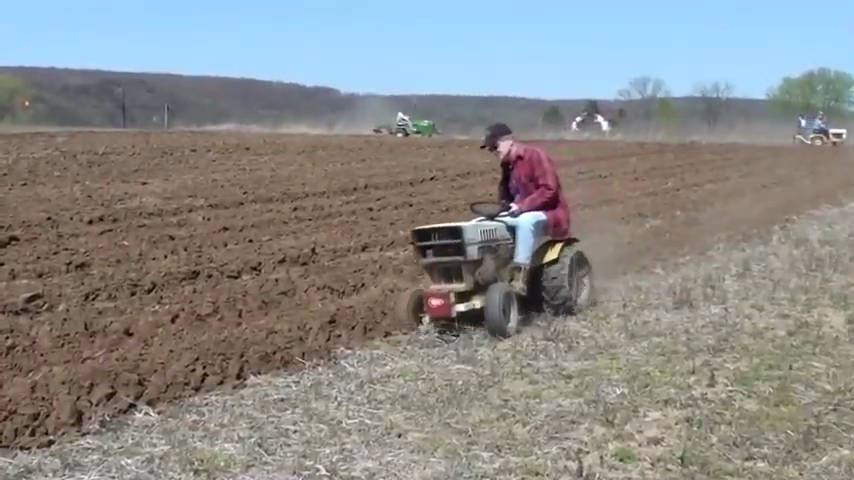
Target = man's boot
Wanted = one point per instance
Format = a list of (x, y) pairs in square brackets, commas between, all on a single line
[(520, 279)]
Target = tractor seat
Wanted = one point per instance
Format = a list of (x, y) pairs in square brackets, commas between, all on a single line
[(565, 238)]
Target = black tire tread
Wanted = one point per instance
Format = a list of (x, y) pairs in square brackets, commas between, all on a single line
[(493, 319), (557, 298), (403, 309)]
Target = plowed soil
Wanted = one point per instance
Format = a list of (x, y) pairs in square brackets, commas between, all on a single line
[(137, 268)]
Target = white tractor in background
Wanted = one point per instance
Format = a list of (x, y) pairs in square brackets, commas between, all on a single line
[(815, 132), (604, 126)]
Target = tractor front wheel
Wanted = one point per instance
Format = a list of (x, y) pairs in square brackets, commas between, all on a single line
[(409, 310), (501, 310)]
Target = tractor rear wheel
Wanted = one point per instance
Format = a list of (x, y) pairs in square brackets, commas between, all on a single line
[(567, 283)]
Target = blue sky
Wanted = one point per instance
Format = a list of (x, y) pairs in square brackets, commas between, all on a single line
[(537, 48)]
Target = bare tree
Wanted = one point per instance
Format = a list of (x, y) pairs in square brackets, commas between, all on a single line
[(644, 89), (714, 100)]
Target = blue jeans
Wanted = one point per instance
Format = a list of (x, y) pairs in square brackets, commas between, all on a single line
[(530, 230)]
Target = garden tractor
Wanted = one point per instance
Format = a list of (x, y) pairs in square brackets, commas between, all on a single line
[(405, 127), (468, 266), (815, 132), (831, 136)]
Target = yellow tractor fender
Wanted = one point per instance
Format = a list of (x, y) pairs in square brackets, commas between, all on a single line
[(550, 251)]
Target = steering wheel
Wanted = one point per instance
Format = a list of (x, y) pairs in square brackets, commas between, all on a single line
[(489, 210)]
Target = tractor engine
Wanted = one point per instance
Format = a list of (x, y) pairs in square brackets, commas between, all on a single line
[(462, 256)]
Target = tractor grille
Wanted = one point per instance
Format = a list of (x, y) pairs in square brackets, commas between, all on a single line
[(487, 234), (438, 234), (439, 243)]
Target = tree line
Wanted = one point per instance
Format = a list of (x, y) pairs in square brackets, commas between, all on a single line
[(820, 89), (91, 98), (14, 98)]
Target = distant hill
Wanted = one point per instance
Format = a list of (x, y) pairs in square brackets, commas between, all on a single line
[(92, 98)]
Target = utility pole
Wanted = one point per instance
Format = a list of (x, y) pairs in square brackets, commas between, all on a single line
[(124, 107)]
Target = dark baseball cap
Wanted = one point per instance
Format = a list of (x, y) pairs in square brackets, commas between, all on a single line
[(494, 133)]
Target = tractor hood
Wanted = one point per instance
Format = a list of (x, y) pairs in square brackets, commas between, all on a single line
[(440, 225), (469, 232)]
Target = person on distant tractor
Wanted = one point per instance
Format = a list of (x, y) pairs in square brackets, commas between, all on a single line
[(530, 185), (403, 121), (804, 128), (578, 120), (819, 126)]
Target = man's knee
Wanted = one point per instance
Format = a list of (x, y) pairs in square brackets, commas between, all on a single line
[(531, 219)]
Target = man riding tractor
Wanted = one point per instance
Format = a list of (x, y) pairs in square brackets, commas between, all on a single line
[(530, 185), (816, 132), (817, 126), (514, 259), (820, 126)]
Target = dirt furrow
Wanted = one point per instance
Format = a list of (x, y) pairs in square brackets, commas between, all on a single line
[(145, 267)]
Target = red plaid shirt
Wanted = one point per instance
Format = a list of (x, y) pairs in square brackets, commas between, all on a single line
[(534, 175)]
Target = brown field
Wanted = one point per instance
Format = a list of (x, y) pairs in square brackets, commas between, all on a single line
[(139, 268)]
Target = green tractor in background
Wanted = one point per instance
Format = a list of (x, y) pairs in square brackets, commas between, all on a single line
[(405, 127)]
